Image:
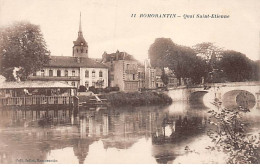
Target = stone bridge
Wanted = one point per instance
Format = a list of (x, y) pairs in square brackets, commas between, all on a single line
[(246, 94)]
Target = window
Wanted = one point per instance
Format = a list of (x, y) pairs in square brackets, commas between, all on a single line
[(139, 75), (77, 50), (86, 73), (127, 66), (58, 73), (73, 73), (34, 73), (100, 74), (93, 73), (42, 73), (86, 84), (133, 76), (66, 73), (94, 84), (50, 73), (86, 51), (81, 50), (73, 83)]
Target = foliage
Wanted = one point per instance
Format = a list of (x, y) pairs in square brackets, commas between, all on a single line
[(136, 98), (236, 66), (181, 59), (82, 88), (22, 45), (230, 135), (208, 51), (159, 52), (164, 77)]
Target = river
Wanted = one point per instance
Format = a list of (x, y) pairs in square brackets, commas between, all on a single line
[(147, 134)]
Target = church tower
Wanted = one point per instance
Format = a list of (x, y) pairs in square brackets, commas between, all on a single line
[(80, 48)]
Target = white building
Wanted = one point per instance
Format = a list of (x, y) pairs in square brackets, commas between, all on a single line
[(77, 69)]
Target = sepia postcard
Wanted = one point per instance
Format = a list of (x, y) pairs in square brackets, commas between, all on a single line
[(129, 82)]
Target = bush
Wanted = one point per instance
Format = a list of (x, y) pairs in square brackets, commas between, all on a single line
[(82, 88), (137, 98), (230, 135)]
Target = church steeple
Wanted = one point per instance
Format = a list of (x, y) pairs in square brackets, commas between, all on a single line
[(80, 29), (80, 48)]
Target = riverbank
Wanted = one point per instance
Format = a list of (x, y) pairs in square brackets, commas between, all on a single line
[(136, 98)]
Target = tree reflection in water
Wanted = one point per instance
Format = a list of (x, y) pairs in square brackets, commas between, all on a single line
[(38, 133)]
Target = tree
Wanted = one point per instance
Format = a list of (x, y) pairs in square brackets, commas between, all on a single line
[(82, 88), (22, 45), (164, 77), (159, 52), (230, 134), (236, 66), (181, 59), (207, 50)]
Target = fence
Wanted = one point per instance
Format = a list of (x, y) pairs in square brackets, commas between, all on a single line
[(36, 100)]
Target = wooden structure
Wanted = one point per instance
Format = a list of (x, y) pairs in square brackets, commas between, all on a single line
[(31, 93), (96, 102)]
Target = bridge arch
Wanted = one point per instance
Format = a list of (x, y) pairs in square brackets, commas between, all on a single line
[(197, 97), (235, 98)]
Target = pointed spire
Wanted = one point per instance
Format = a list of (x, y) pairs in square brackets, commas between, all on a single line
[(80, 29)]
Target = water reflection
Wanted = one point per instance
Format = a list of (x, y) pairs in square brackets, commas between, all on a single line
[(120, 135)]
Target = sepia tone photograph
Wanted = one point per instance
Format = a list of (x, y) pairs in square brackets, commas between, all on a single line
[(129, 82)]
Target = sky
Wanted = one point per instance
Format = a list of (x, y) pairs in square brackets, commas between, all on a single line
[(108, 26)]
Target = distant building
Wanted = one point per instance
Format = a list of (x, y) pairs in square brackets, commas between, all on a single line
[(122, 70), (150, 75), (77, 69), (141, 76), (158, 75)]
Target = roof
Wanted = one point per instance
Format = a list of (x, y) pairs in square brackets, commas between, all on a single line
[(69, 61), (117, 56), (34, 84), (80, 40)]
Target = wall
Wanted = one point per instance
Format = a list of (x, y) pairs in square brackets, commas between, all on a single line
[(91, 79)]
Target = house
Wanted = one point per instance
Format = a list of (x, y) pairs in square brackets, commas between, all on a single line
[(141, 76), (122, 70), (158, 76), (150, 75), (75, 70)]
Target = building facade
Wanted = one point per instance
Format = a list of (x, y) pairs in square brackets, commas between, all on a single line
[(159, 83), (77, 69), (123, 70), (150, 75)]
